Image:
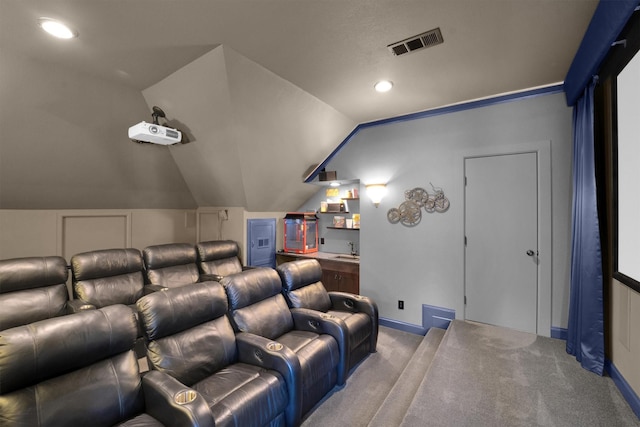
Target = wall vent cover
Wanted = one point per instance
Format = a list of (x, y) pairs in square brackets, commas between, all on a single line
[(421, 41)]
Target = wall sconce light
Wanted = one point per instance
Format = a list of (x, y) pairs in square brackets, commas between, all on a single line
[(376, 192)]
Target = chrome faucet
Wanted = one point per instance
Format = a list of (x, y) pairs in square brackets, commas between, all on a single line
[(353, 248)]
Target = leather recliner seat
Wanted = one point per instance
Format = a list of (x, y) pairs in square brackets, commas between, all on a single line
[(107, 277), (33, 289), (80, 370), (303, 288), (191, 339), (171, 265), (257, 306), (110, 276), (219, 258)]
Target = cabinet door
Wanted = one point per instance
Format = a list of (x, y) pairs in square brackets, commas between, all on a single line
[(349, 282), (331, 280)]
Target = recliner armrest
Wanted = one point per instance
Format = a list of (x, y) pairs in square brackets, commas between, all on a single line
[(256, 350), (305, 319), (149, 289), (210, 278), (344, 301), (76, 306), (169, 401)]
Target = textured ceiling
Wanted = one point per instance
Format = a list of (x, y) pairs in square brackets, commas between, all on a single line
[(333, 50)]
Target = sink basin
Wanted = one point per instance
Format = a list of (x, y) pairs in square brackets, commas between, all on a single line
[(353, 257)]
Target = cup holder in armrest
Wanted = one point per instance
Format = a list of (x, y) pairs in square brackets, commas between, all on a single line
[(274, 346), (185, 396)]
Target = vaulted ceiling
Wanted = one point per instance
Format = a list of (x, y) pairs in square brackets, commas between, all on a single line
[(317, 62), (334, 50)]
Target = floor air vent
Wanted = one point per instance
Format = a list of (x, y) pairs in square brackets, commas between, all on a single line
[(421, 41)]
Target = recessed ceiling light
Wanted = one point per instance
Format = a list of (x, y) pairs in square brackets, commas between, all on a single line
[(383, 86), (57, 28)]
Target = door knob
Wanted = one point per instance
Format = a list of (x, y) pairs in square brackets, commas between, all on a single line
[(530, 252)]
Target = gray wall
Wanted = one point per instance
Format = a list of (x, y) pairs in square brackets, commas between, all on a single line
[(64, 143), (253, 134), (425, 264)]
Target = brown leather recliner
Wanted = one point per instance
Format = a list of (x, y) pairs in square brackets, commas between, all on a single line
[(257, 306), (34, 288), (190, 338), (80, 370), (303, 288)]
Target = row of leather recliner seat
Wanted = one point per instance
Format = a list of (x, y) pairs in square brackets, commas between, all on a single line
[(34, 288), (256, 348)]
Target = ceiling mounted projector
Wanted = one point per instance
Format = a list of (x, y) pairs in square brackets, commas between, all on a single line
[(154, 133)]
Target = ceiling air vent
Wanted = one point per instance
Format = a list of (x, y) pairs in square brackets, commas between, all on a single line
[(421, 41)]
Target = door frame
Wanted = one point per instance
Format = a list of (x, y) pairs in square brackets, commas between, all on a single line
[(545, 257)]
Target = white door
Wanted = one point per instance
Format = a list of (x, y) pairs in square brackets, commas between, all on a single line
[(501, 229)]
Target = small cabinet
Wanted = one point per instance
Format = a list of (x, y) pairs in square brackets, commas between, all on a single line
[(341, 276)]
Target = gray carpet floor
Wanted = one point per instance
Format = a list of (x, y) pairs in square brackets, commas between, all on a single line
[(481, 376), (356, 403)]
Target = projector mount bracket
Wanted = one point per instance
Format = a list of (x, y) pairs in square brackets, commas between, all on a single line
[(157, 112)]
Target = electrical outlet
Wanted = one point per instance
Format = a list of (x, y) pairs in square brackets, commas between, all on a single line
[(322, 240), (400, 304)]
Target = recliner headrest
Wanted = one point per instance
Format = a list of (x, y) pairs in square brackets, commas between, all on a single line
[(33, 272), (217, 249), (174, 310), (161, 256), (251, 286), (105, 263), (299, 273), (42, 350)]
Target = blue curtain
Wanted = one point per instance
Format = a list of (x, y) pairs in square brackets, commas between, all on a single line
[(585, 335)]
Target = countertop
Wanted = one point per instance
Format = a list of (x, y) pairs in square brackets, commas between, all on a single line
[(326, 256)]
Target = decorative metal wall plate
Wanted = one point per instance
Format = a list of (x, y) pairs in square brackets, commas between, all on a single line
[(409, 213)]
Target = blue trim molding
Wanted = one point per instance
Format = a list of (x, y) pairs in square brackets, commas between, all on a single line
[(432, 317), (402, 326), (630, 396), (559, 333), (532, 93), (436, 317)]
